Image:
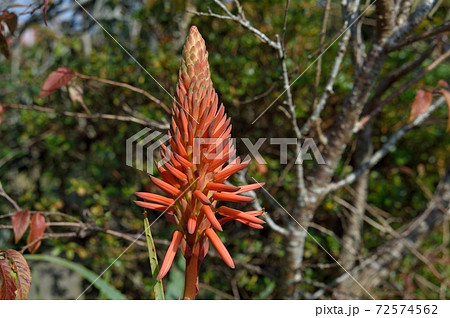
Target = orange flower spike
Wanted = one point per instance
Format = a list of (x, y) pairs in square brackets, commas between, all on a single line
[(194, 182)]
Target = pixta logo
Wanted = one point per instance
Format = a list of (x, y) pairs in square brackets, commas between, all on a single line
[(203, 147), (148, 140)]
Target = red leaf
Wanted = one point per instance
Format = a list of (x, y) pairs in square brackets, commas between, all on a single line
[(4, 46), (421, 103), (11, 22), (23, 274), (446, 94), (44, 11), (20, 222), (37, 231), (443, 83), (15, 275), (2, 110), (57, 79), (8, 285)]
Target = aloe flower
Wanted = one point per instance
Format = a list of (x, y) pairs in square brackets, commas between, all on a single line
[(194, 173)]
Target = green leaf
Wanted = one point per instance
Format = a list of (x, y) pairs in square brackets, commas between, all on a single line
[(108, 290), (158, 286)]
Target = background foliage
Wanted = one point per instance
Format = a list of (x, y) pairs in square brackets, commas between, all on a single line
[(59, 163)]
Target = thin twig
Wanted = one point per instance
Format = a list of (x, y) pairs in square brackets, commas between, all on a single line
[(331, 79), (283, 33), (148, 122), (128, 86), (24, 147), (241, 20), (323, 33), (364, 120), (49, 236), (7, 197), (377, 156)]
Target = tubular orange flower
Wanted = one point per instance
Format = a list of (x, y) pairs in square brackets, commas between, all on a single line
[(195, 181)]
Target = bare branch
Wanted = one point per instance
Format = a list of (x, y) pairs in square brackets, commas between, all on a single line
[(49, 236), (385, 11), (413, 20), (283, 33), (128, 86), (148, 122), (240, 19), (401, 90), (25, 146), (414, 233), (7, 197), (329, 86), (425, 35), (291, 107), (323, 32), (312, 119), (272, 224), (383, 151)]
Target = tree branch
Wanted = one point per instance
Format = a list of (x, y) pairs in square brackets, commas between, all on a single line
[(7, 197), (148, 122), (242, 20), (386, 147), (128, 86), (401, 90), (386, 257), (425, 35)]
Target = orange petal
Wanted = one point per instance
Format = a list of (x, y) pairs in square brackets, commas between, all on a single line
[(175, 162), (228, 171), (176, 173), (204, 249), (201, 197), (155, 198), (167, 176), (170, 254), (249, 187), (221, 187), (169, 189), (191, 224), (233, 213), (157, 207), (226, 219), (218, 163), (211, 217), (219, 196), (221, 249), (183, 161)]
